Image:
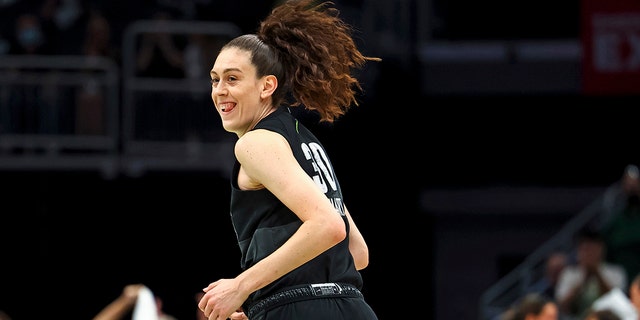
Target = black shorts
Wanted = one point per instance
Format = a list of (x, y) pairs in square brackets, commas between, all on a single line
[(313, 302)]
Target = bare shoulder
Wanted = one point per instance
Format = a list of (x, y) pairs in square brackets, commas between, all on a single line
[(259, 145)]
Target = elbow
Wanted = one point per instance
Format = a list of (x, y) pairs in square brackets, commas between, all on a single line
[(360, 257), (338, 232), (329, 232), (359, 251), (361, 263)]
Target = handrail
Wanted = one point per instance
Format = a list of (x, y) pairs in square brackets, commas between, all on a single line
[(212, 155), (176, 27), (521, 276), (55, 62), (131, 82), (64, 70)]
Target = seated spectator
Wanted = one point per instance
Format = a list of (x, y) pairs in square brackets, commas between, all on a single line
[(123, 306), (29, 36), (621, 231), (91, 106), (604, 314), (582, 283), (634, 293), (616, 196), (618, 302), (533, 306), (546, 285), (160, 54)]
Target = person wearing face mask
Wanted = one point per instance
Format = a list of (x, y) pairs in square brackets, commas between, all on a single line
[(29, 37), (29, 109)]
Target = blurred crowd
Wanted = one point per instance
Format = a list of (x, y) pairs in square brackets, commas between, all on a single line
[(599, 278), (73, 27), (55, 103), (40, 100)]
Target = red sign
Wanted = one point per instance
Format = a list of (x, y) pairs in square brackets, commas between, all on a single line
[(611, 46)]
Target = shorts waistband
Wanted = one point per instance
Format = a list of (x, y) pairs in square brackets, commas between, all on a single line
[(305, 292)]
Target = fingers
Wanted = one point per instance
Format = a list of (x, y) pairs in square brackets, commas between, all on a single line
[(210, 286), (238, 316), (217, 316), (202, 305)]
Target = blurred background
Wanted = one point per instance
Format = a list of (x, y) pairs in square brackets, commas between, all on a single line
[(484, 140)]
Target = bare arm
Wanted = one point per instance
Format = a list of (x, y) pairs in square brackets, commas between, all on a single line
[(357, 246), (123, 304), (268, 160)]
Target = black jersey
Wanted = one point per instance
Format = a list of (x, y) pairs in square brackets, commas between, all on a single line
[(263, 223)]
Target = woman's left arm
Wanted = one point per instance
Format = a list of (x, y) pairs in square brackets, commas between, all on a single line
[(357, 246)]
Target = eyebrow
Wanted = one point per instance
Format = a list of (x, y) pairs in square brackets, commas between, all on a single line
[(225, 71)]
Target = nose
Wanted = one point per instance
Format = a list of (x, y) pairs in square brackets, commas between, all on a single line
[(218, 90)]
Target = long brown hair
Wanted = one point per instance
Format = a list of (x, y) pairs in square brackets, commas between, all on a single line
[(310, 50)]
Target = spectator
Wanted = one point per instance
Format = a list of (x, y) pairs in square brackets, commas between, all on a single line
[(161, 54), (64, 23), (123, 306), (546, 285), (616, 196), (621, 231), (31, 107), (604, 314), (618, 302), (533, 306), (90, 97), (582, 283), (29, 36), (634, 293), (97, 37)]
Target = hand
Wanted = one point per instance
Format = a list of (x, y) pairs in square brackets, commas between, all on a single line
[(130, 292), (222, 300), (238, 315), (591, 270)]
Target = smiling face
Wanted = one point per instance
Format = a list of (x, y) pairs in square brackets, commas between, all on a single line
[(240, 97)]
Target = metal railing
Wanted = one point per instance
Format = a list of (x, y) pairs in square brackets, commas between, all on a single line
[(79, 112), (502, 294), (58, 112), (170, 121)]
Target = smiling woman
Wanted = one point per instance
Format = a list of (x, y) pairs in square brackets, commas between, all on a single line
[(301, 249)]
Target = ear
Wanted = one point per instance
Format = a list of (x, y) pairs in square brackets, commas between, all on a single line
[(270, 83)]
